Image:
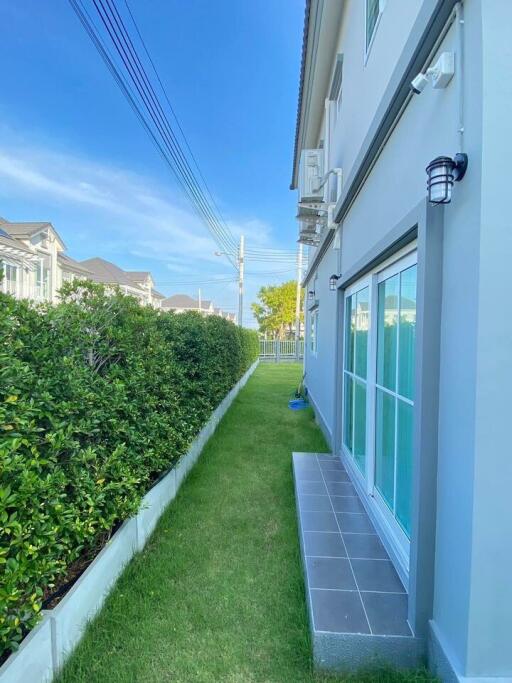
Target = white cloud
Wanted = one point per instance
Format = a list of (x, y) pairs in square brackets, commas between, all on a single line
[(127, 214)]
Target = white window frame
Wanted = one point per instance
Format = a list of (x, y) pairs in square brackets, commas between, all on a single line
[(368, 46), (4, 285), (358, 286), (313, 331), (395, 535)]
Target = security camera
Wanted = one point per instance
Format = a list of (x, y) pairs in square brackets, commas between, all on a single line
[(439, 75), (419, 84)]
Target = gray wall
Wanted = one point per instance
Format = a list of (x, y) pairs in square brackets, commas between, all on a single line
[(320, 368), (472, 611)]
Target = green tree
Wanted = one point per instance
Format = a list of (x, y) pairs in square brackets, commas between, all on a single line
[(275, 309)]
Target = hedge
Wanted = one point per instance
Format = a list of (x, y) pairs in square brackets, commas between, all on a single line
[(98, 396)]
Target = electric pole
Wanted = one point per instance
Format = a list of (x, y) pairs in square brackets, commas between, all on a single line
[(297, 301), (241, 281)]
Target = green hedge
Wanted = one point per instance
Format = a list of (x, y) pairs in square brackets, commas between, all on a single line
[(98, 395)]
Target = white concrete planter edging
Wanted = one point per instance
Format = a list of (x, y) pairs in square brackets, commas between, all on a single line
[(45, 649)]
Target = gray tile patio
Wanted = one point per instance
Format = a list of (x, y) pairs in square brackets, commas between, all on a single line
[(351, 584)]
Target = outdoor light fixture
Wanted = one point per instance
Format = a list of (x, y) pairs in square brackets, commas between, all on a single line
[(333, 280), (311, 294), (442, 172)]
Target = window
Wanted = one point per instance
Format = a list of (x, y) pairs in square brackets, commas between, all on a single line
[(335, 93), (313, 331), (396, 330), (9, 283), (355, 371), (378, 387), (42, 281), (374, 9)]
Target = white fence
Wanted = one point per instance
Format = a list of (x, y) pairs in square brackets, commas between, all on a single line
[(278, 351)]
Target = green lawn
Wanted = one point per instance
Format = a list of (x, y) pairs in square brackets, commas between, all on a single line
[(217, 594)]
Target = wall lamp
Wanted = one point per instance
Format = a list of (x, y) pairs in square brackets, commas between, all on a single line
[(333, 282), (311, 295), (442, 172)]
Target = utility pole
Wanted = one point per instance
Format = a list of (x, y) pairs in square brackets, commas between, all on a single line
[(241, 281), (297, 302)]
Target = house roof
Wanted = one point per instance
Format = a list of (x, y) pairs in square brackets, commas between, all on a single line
[(157, 294), (321, 29), (305, 34), (180, 301), (108, 273), (138, 275), (28, 229), (67, 263)]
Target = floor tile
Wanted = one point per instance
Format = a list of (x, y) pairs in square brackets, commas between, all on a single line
[(326, 465), (377, 575), (335, 476), (355, 524), (318, 521), (314, 502), (326, 456), (387, 613), (317, 487), (340, 488), (330, 572), (347, 504), (364, 546), (322, 544), (338, 612), (308, 474)]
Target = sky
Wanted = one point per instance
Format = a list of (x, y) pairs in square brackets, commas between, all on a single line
[(72, 151)]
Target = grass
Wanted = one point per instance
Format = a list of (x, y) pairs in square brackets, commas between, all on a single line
[(217, 594)]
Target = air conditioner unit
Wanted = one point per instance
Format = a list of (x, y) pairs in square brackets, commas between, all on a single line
[(308, 234), (311, 171)]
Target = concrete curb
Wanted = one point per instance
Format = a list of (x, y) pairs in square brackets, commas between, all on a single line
[(45, 649)]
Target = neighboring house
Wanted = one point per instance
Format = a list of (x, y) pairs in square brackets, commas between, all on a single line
[(33, 260), (408, 363), (144, 280), (180, 303), (137, 284), (34, 266)]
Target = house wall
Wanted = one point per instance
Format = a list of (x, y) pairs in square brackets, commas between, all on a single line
[(472, 608), (319, 367)]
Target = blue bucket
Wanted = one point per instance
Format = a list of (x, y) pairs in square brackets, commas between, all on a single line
[(297, 404)]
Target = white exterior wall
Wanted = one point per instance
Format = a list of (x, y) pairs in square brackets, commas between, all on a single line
[(472, 612)]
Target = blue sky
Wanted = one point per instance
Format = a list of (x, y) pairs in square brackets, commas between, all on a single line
[(72, 151)]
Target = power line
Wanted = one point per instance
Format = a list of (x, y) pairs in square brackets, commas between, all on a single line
[(196, 164), (128, 54), (160, 131)]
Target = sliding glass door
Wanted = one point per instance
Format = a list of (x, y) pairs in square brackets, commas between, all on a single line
[(394, 400), (378, 387), (355, 372)]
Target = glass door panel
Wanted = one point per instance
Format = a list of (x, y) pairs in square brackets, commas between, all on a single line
[(385, 446), (355, 370), (396, 341), (404, 464)]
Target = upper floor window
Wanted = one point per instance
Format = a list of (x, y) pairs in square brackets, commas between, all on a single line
[(374, 9), (313, 332), (335, 93)]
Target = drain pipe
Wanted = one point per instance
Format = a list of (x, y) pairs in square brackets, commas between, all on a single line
[(459, 18)]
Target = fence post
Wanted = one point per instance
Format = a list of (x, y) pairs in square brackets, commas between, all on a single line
[(278, 350)]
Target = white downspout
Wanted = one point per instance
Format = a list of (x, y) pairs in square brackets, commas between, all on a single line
[(459, 18)]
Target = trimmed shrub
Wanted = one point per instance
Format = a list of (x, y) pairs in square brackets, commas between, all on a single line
[(98, 397)]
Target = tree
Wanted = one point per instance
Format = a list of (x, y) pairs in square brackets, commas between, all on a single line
[(275, 309)]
